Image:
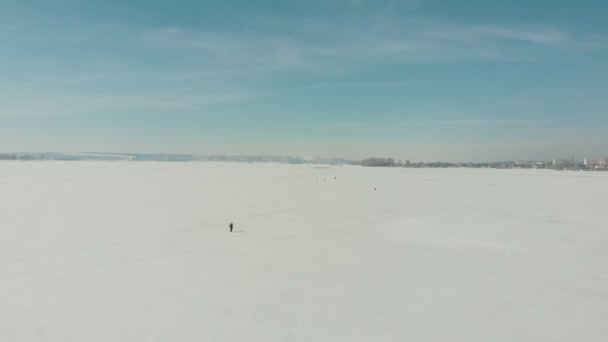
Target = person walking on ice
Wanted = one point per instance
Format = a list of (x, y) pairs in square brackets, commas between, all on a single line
[(231, 226)]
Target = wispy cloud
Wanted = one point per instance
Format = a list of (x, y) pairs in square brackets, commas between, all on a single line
[(545, 36), (464, 122), (477, 122), (323, 45), (223, 67), (56, 103), (366, 4), (355, 84), (307, 44)]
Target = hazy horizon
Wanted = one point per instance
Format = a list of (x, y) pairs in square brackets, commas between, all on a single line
[(422, 80), (315, 157)]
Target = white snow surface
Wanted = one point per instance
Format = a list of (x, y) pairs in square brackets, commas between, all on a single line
[(126, 251)]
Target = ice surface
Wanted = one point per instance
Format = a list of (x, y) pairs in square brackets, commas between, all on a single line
[(126, 251)]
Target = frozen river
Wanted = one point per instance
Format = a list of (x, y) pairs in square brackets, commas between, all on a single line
[(141, 251)]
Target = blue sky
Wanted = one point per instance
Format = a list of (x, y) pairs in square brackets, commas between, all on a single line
[(411, 79)]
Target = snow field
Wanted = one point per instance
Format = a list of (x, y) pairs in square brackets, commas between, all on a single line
[(140, 251)]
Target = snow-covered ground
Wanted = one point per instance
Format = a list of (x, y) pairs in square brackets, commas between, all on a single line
[(125, 251)]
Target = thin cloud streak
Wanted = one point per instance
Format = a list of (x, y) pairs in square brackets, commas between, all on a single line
[(353, 84), (55, 104), (445, 122), (290, 47)]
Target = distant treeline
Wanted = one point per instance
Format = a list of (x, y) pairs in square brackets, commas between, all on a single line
[(376, 162)]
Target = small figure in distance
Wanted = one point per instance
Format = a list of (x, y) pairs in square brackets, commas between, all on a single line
[(374, 189), (231, 226)]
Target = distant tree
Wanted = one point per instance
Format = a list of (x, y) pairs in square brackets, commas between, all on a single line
[(378, 162)]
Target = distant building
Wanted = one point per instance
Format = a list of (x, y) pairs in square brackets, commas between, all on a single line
[(563, 162), (590, 162)]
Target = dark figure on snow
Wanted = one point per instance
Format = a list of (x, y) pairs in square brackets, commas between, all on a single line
[(231, 226)]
